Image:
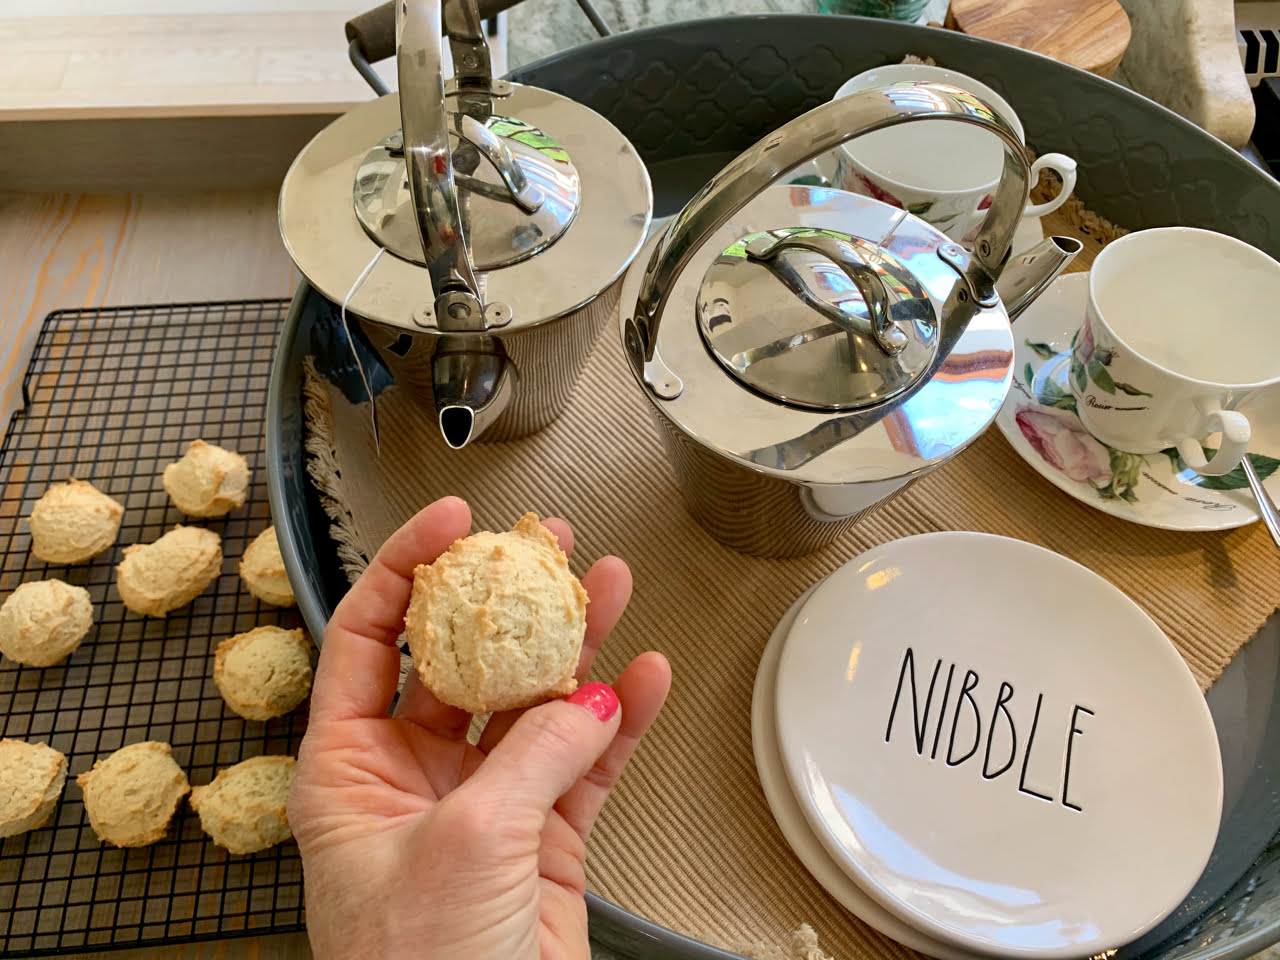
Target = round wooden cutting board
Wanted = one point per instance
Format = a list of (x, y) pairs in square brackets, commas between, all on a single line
[(1090, 34)]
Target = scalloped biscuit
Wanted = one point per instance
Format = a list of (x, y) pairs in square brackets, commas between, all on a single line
[(33, 775), (263, 673), (131, 796), (262, 570), (243, 809)]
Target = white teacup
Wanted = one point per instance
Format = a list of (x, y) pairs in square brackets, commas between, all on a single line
[(943, 172), (1179, 331)]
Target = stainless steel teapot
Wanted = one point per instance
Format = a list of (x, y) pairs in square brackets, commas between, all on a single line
[(480, 246), (821, 349)]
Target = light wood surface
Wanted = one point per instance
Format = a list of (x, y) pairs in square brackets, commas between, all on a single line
[(1090, 34), (98, 97), (87, 59), (69, 63), (61, 251), (173, 95)]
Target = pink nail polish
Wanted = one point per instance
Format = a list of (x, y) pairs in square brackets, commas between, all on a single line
[(597, 698)]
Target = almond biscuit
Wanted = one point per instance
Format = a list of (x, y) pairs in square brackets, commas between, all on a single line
[(131, 796), (243, 809), (209, 481), (157, 577), (33, 775), (264, 673), (73, 522), (262, 570), (43, 621), (497, 622)]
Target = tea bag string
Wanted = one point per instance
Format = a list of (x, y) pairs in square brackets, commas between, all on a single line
[(355, 354)]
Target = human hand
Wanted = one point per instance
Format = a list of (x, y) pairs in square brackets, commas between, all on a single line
[(417, 844)]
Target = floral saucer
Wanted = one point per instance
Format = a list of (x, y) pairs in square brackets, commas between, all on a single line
[(1039, 420)]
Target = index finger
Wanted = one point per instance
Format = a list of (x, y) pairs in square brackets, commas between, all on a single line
[(359, 662)]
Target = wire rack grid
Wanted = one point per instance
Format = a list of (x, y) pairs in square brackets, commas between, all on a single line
[(113, 395)]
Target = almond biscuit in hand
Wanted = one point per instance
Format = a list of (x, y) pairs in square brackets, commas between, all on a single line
[(497, 622)]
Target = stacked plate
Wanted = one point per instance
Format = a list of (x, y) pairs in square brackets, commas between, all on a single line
[(981, 748)]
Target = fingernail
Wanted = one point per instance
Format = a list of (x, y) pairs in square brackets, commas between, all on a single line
[(597, 698)]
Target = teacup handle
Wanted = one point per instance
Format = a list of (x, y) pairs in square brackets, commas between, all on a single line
[(1065, 168), (1235, 443)]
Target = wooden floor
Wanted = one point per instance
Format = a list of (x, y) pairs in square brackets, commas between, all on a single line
[(284, 947)]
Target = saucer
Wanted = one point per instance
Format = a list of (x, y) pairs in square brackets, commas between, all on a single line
[(1039, 421), (786, 811), (998, 746)]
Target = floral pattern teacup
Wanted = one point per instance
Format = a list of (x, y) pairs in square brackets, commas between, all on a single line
[(944, 172), (1177, 335)]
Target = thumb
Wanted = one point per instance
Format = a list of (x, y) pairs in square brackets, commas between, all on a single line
[(550, 748)]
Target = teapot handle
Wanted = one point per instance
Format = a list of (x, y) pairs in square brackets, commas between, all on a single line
[(798, 141), (428, 161), (844, 256)]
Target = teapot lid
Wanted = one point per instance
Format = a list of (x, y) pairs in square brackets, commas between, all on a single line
[(462, 199), (816, 318), (519, 199)]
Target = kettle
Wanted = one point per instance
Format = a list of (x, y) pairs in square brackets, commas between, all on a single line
[(821, 349), (480, 245)]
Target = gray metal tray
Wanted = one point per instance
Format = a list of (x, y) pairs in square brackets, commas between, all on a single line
[(690, 96)]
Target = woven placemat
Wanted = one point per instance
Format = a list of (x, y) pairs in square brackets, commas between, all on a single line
[(687, 839)]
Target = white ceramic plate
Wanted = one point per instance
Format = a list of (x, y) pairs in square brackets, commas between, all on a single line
[(791, 821), (1040, 422), (1058, 794)]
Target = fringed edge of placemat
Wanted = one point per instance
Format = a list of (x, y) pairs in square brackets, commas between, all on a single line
[(323, 469), (325, 474), (1091, 224)]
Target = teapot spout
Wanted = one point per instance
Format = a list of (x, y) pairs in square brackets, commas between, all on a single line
[(472, 381), (1027, 275)]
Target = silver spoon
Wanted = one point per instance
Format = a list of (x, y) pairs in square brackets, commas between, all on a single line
[(1266, 506)]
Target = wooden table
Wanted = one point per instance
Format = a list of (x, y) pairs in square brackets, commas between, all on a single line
[(61, 251)]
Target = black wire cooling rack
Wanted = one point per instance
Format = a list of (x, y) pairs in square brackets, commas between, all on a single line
[(111, 396)]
